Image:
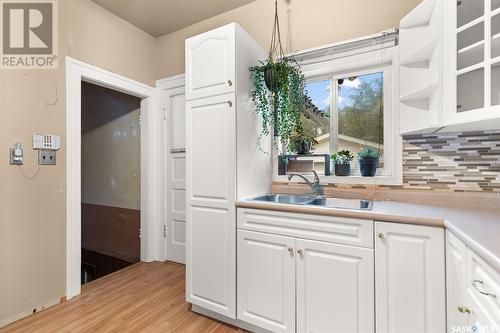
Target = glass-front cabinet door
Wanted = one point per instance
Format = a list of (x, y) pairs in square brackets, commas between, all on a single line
[(473, 28)]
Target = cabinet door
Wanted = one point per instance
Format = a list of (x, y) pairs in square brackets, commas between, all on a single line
[(210, 63), (334, 288), (455, 283), (266, 280), (409, 278), (211, 214)]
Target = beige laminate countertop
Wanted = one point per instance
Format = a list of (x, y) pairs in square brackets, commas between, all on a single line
[(478, 228)]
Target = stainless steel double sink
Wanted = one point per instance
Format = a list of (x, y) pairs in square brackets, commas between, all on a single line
[(328, 202)]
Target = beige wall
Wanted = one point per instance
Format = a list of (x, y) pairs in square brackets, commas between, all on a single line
[(312, 23), (32, 211)]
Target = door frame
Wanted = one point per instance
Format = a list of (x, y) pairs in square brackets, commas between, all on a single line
[(151, 211), (171, 85)]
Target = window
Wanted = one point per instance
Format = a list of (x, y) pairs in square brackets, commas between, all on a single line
[(355, 94)]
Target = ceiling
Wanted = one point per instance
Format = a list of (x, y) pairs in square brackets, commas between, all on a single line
[(159, 17)]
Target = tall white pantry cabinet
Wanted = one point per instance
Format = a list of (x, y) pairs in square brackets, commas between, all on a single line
[(223, 161)]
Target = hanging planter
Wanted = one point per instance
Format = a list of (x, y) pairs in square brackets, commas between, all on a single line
[(279, 95)]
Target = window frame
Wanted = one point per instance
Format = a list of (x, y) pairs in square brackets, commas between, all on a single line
[(359, 64)]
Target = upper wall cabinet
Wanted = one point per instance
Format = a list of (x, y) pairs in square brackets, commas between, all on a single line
[(450, 66), (210, 63)]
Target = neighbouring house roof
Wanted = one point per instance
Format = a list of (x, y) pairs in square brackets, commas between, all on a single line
[(326, 137)]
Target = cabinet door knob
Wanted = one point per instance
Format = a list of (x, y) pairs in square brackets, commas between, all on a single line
[(290, 249), (463, 309), (230, 83), (381, 235), (299, 251), (475, 285), (230, 103)]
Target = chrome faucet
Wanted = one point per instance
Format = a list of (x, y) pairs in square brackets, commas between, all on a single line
[(316, 188)]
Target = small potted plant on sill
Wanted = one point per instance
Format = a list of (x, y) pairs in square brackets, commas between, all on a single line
[(342, 160), (368, 160), (302, 144)]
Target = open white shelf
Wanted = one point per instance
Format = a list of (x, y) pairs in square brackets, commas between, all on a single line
[(422, 52), (423, 43), (424, 92)]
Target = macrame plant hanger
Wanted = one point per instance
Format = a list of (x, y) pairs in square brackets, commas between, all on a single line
[(276, 54)]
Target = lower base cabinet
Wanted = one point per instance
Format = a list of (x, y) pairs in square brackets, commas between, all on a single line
[(321, 287), (473, 290), (335, 291), (409, 278), (318, 274)]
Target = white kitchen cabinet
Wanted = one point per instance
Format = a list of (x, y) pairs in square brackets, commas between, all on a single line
[(409, 278), (450, 66), (211, 233), (266, 280), (456, 303), (223, 162), (473, 289), (335, 291), (319, 286), (210, 63)]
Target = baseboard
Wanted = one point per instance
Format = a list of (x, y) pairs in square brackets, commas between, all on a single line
[(13, 319), (235, 322)]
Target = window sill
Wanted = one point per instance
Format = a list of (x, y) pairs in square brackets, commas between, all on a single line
[(352, 179)]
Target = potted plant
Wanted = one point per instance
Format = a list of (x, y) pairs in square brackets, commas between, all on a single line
[(342, 160), (301, 144), (368, 160), (279, 98)]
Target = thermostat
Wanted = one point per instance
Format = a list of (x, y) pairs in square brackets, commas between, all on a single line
[(46, 141)]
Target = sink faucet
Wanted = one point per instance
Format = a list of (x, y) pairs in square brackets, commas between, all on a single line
[(316, 188)]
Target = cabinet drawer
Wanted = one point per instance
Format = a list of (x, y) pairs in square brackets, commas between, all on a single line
[(483, 285), (339, 230)]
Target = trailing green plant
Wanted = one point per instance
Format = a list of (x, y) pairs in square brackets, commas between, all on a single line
[(283, 100), (342, 157), (280, 109), (368, 153)]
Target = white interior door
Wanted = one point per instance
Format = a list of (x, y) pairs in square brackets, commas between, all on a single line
[(409, 278), (210, 63), (334, 288), (175, 186), (266, 280), (211, 213)]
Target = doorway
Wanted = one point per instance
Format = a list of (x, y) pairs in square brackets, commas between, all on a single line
[(151, 212), (111, 195)]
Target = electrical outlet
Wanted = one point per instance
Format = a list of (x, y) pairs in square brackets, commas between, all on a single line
[(46, 157)]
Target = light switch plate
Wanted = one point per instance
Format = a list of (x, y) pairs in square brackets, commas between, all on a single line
[(46, 157)]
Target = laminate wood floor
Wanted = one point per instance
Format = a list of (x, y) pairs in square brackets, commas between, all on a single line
[(144, 297)]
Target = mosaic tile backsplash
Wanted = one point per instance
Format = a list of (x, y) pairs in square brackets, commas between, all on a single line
[(457, 162), (450, 162)]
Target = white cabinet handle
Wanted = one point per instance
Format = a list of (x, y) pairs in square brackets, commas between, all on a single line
[(475, 285)]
